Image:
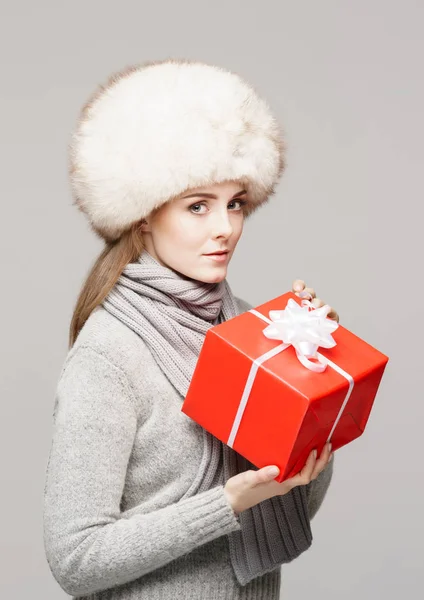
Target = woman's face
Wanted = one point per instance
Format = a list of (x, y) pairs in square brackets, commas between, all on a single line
[(181, 233)]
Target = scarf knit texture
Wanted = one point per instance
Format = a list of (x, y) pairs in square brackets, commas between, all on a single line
[(172, 314)]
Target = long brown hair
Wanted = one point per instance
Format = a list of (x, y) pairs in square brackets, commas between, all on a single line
[(103, 276)]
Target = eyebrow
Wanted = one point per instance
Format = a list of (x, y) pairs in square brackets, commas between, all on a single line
[(213, 196)]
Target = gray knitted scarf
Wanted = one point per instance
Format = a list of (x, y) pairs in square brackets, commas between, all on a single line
[(172, 314)]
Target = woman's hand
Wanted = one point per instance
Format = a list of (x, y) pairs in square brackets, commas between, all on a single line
[(248, 488), (300, 286)]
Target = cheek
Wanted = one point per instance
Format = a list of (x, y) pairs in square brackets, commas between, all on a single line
[(178, 231), (186, 230)]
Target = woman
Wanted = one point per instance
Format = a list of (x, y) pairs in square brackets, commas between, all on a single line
[(167, 162)]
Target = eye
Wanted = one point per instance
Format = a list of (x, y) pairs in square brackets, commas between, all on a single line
[(241, 202), (194, 206)]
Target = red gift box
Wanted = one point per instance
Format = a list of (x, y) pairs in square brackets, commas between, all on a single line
[(263, 402)]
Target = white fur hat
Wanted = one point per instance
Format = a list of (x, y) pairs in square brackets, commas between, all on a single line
[(158, 129)]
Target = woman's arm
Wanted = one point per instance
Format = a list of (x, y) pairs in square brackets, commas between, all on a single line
[(89, 546)]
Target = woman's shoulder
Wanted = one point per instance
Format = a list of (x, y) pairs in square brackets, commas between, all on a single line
[(107, 336)]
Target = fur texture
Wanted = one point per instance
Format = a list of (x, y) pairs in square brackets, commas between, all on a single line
[(161, 128)]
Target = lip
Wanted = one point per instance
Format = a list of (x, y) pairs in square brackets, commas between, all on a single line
[(218, 257)]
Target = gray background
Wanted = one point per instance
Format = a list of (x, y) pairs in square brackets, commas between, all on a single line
[(345, 79)]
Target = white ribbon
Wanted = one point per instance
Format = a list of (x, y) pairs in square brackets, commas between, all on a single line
[(305, 328)]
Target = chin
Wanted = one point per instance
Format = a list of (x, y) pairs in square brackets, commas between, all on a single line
[(216, 277)]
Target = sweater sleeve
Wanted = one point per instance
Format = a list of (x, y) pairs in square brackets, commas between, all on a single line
[(89, 545), (317, 489)]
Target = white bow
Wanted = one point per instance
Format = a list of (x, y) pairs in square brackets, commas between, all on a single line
[(304, 327)]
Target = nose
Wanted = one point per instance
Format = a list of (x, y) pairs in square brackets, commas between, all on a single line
[(221, 225)]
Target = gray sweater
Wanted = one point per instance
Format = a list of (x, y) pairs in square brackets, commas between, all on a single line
[(117, 523)]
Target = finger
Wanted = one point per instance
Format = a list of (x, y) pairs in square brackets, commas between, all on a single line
[(309, 468), (304, 476), (310, 291), (298, 285), (320, 466), (265, 475), (333, 315), (322, 461), (317, 302)]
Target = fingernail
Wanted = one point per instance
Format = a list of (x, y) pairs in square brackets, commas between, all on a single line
[(315, 453), (330, 446), (305, 295), (273, 471)]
